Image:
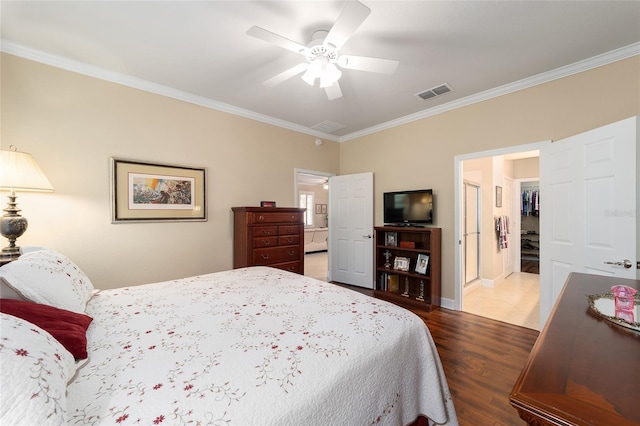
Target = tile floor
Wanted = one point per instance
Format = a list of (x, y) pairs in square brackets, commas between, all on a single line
[(515, 301)]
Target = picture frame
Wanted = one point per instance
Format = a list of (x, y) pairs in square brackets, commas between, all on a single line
[(391, 239), (318, 208), (155, 192), (324, 208), (267, 203), (401, 263), (422, 264), (498, 196)]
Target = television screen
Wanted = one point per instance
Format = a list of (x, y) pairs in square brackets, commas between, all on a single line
[(408, 207)]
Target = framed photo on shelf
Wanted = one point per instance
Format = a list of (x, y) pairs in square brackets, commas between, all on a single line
[(401, 263), (422, 264), (267, 203), (391, 239)]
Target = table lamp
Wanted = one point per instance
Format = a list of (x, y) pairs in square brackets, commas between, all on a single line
[(18, 172)]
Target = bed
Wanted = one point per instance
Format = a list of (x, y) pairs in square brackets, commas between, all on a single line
[(251, 346)]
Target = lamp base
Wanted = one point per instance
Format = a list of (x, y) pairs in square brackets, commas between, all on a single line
[(12, 226), (9, 254)]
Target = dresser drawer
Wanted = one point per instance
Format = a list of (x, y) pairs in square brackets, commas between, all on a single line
[(272, 217), (289, 230), (289, 240), (265, 242), (265, 231), (290, 266), (268, 256)]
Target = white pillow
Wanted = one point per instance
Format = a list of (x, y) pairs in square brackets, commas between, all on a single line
[(48, 277), (7, 292), (35, 372)]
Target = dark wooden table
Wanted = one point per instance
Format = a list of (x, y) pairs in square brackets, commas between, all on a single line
[(583, 369)]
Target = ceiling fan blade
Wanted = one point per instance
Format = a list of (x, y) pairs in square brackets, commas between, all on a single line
[(276, 39), (363, 63), (351, 17), (333, 91), (291, 72)]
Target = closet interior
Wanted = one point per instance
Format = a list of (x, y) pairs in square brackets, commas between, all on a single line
[(530, 227)]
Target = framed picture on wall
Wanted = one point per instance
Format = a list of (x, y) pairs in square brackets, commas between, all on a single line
[(318, 208), (154, 192), (498, 196), (324, 208)]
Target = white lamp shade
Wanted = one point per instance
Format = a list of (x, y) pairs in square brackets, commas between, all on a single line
[(20, 172)]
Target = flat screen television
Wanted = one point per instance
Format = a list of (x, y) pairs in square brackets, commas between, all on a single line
[(408, 207)]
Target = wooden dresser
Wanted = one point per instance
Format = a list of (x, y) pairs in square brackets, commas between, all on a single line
[(583, 369), (269, 236)]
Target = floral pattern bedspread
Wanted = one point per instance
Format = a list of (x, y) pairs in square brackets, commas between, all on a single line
[(255, 346)]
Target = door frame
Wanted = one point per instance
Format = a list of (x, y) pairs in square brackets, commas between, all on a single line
[(458, 203), (296, 201)]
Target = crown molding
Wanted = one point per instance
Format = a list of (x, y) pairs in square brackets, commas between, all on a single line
[(126, 80), (147, 86), (575, 68)]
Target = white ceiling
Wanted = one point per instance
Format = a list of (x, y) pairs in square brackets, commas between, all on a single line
[(199, 51)]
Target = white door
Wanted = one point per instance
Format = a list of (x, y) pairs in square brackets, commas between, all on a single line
[(509, 206), (588, 207), (351, 229), (471, 235)]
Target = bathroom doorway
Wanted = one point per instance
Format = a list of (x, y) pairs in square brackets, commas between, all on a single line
[(491, 285)]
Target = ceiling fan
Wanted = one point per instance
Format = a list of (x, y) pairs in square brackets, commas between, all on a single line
[(322, 53)]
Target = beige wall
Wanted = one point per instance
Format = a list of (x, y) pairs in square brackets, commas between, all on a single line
[(421, 154), (73, 124)]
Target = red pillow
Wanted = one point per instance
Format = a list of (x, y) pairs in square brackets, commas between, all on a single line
[(68, 328)]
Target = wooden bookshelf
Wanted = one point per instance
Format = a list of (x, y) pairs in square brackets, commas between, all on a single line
[(397, 246)]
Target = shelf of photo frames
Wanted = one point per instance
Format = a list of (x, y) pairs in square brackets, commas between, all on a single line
[(408, 266)]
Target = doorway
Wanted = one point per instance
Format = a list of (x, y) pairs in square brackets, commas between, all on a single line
[(490, 283), (312, 193)]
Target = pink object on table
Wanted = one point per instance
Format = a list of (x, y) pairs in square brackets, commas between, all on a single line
[(624, 298)]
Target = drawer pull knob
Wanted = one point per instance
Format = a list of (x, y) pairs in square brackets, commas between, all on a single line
[(291, 253), (266, 232), (260, 217), (289, 240), (266, 242), (265, 256)]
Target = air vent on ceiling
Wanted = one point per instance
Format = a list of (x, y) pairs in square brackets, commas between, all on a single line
[(328, 126), (435, 91)]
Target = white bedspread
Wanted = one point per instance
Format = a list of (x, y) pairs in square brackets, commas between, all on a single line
[(255, 346)]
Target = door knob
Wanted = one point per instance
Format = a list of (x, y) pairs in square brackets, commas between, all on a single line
[(367, 236), (626, 263)]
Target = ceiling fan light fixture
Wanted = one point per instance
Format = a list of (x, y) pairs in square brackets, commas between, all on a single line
[(314, 71), (330, 74)]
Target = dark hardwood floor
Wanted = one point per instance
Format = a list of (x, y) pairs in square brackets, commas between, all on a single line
[(482, 358)]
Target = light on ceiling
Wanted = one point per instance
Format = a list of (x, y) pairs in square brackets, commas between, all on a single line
[(326, 71), (18, 172), (330, 74), (314, 71)]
